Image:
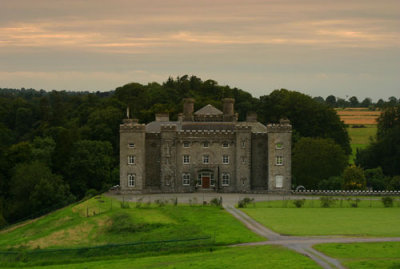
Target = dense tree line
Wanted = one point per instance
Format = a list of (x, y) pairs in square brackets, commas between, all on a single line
[(57, 146), (338, 102)]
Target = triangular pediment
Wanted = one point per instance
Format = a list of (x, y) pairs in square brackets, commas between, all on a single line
[(208, 110)]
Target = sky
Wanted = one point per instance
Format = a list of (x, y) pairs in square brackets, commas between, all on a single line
[(318, 47)]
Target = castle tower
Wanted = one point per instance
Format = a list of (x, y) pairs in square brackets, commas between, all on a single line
[(132, 156), (279, 156)]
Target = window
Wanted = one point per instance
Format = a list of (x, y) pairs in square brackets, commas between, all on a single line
[(186, 159), (225, 145), (279, 145), (185, 179), (225, 179), (279, 160), (186, 144), (243, 159), (167, 180), (131, 159), (279, 181), (205, 159), (131, 145), (205, 144), (225, 159), (131, 180), (243, 144)]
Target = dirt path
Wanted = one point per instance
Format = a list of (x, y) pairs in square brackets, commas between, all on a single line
[(300, 244)]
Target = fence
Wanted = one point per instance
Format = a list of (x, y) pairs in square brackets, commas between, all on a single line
[(346, 192)]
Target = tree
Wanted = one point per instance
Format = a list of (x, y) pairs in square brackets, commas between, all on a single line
[(385, 151), (35, 188), (316, 159), (354, 101), (90, 166), (354, 178), (366, 102), (331, 101), (309, 118)]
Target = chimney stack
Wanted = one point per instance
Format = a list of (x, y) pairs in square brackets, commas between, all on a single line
[(188, 108)]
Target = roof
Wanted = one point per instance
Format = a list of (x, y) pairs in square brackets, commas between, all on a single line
[(208, 110)]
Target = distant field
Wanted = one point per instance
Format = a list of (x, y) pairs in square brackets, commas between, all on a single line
[(360, 138), (358, 116), (238, 257), (364, 255)]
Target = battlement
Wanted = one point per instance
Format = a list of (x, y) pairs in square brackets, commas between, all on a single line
[(168, 128), (131, 125)]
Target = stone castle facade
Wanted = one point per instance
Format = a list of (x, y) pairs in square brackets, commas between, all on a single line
[(206, 150)]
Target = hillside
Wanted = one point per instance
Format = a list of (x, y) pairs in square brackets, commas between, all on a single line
[(106, 223)]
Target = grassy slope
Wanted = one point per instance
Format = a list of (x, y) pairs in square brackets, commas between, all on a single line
[(237, 257), (70, 227), (360, 138), (362, 221), (365, 255)]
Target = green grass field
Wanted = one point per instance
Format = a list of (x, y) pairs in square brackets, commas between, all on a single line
[(360, 138), (364, 255), (71, 227), (236, 257), (363, 221)]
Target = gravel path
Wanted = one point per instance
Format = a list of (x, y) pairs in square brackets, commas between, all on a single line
[(300, 244)]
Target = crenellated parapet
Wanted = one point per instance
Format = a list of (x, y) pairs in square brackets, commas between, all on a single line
[(283, 126)]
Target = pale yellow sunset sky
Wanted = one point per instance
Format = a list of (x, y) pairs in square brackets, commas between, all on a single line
[(320, 47)]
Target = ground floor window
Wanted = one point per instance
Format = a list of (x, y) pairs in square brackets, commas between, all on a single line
[(186, 179), (225, 179), (278, 181), (131, 180)]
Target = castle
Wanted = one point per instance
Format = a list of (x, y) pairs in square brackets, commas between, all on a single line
[(206, 150)]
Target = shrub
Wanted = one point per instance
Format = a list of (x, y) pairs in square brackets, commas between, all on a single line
[(160, 202), (90, 193), (123, 223), (244, 202), (216, 202), (327, 201), (124, 205), (139, 203), (299, 202), (353, 202), (387, 201)]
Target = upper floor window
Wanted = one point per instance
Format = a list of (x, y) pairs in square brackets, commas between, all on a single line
[(225, 179), (186, 179), (279, 145), (225, 145), (279, 160), (279, 181), (206, 159), (131, 145), (131, 180), (186, 144), (131, 159), (243, 158), (225, 159), (205, 144), (186, 159)]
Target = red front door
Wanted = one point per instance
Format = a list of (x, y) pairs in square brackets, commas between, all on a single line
[(205, 182)]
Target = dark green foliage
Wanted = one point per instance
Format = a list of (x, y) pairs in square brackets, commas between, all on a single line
[(385, 151), (353, 178), (353, 202), (216, 202), (33, 188), (387, 201), (299, 202), (308, 117), (315, 159), (332, 183), (90, 166), (376, 180), (245, 201), (327, 201)]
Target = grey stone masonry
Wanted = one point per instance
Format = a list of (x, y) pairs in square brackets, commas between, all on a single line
[(206, 150)]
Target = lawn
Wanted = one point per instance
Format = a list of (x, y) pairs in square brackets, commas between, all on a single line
[(362, 221), (235, 257), (91, 223), (364, 255)]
